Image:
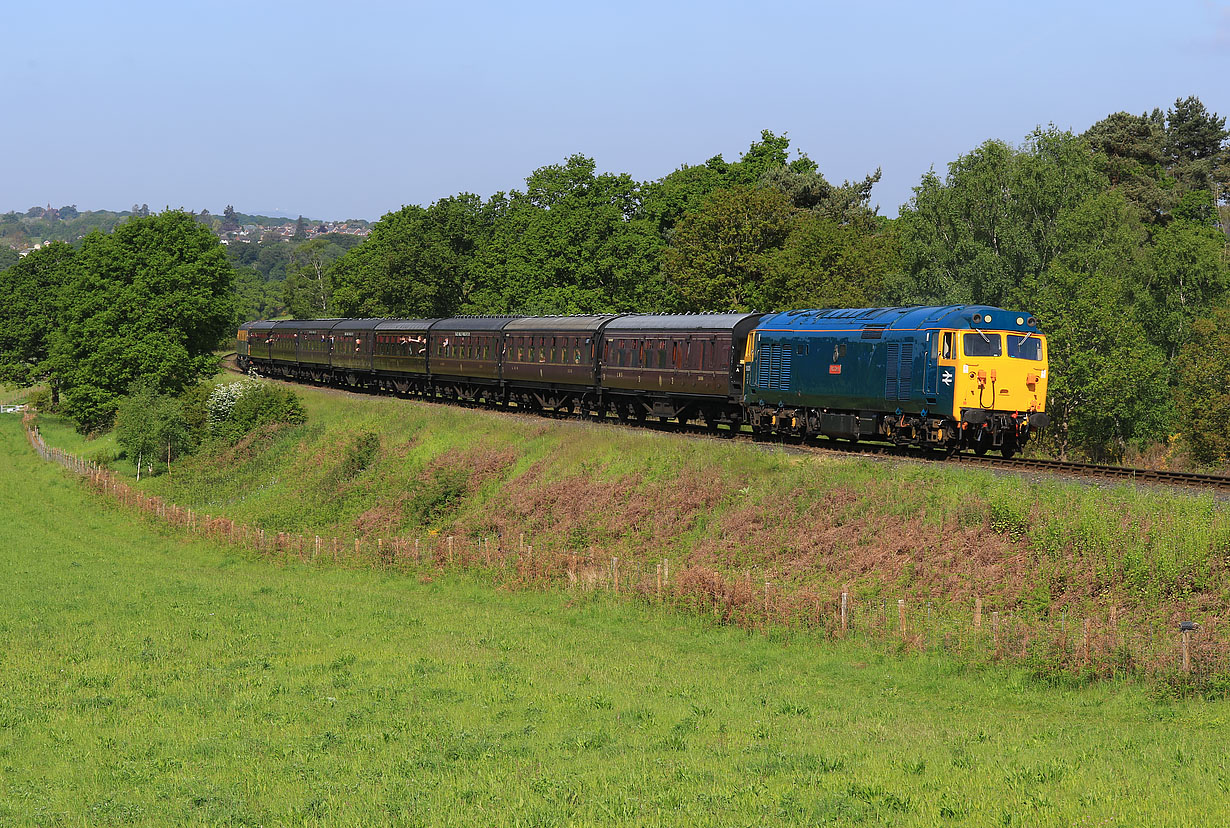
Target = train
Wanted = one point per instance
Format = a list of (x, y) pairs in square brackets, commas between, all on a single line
[(948, 378)]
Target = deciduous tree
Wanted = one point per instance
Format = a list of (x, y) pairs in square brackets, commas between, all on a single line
[(150, 301)]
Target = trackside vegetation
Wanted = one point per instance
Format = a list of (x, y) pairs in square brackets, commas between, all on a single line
[(149, 679), (1086, 580)]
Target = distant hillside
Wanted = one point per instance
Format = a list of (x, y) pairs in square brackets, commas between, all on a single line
[(22, 231)]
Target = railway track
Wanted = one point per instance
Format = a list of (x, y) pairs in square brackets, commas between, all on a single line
[(1213, 482)]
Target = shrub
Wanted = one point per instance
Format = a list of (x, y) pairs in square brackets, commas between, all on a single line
[(40, 400), (256, 405)]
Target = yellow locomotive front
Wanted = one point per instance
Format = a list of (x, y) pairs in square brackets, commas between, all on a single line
[(999, 381)]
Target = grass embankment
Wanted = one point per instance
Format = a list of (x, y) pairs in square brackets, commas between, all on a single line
[(382, 467), (147, 679)]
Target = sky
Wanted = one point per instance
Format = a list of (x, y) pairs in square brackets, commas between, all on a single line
[(344, 109)]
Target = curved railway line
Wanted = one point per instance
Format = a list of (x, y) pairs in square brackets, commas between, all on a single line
[(1127, 474)]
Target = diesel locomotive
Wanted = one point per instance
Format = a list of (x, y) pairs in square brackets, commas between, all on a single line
[(949, 378)]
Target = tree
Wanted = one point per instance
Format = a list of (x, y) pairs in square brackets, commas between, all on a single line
[(991, 223), (69, 212), (1108, 383), (414, 263), (230, 222), (150, 426), (575, 241), (1194, 144), (1188, 272), (300, 230), (827, 264), (720, 257), (308, 290), (1203, 372), (150, 301), (1134, 148), (807, 189), (31, 312)]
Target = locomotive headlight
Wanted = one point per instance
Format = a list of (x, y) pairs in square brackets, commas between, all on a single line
[(1020, 320), (1032, 322), (977, 318)]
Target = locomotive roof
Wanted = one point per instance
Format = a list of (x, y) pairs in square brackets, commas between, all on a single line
[(906, 318), (584, 323), (683, 322)]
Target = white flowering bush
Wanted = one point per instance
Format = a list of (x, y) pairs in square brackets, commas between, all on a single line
[(222, 401)]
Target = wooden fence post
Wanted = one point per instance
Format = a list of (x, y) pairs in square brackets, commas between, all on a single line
[(1187, 660), (901, 615), (978, 613), (845, 612)]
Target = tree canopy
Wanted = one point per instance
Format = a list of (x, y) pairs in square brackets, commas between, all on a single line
[(150, 301)]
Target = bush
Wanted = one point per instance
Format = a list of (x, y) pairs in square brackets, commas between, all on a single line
[(250, 406), (40, 400)]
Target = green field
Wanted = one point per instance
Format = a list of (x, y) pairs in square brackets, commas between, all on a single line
[(151, 680)]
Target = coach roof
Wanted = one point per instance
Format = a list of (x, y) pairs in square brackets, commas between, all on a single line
[(471, 323), (406, 324), (572, 324), (683, 322)]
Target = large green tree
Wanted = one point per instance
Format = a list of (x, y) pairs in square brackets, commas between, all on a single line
[(991, 223), (1203, 369), (1108, 383), (721, 257), (30, 312), (150, 301), (827, 264), (574, 241), (415, 262)]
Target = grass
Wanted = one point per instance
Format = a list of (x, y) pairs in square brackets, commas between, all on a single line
[(381, 467), (151, 680)]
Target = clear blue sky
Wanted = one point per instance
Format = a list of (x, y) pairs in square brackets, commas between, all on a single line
[(352, 109)]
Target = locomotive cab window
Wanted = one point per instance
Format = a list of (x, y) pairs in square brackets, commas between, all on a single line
[(1025, 347), (979, 344), (946, 351)]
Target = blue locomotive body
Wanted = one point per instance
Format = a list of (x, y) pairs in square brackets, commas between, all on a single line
[(898, 374)]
